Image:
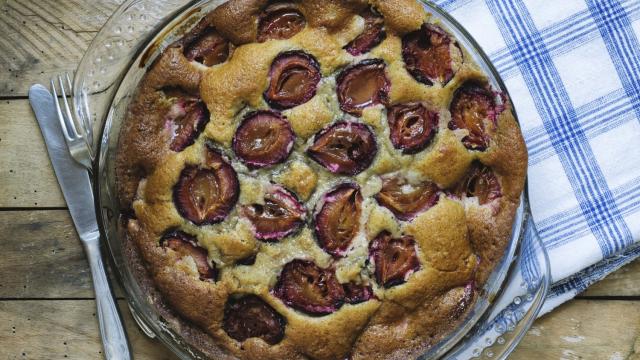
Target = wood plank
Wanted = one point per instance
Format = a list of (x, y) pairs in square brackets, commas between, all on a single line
[(64, 329), (636, 350), (580, 329), (26, 175), (41, 38), (624, 282), (584, 329), (38, 243), (42, 257)]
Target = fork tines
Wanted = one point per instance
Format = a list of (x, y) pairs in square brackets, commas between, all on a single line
[(79, 145)]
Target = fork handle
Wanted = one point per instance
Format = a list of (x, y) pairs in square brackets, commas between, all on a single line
[(114, 337)]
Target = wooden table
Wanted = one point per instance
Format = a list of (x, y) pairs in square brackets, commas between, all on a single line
[(47, 309)]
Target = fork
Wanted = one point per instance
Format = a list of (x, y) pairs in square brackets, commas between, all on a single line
[(78, 142)]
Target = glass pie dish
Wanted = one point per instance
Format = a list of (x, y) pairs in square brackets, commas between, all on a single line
[(104, 84)]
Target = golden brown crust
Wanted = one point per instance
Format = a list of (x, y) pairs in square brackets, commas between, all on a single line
[(459, 241), (299, 178), (330, 14), (397, 336), (401, 16), (238, 20)]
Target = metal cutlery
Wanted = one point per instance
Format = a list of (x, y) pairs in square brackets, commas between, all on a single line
[(78, 142), (76, 187)]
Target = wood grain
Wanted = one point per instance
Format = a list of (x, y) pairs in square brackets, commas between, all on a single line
[(39, 243), (584, 329), (64, 329), (624, 282), (41, 38), (635, 355), (580, 329), (42, 256), (26, 175)]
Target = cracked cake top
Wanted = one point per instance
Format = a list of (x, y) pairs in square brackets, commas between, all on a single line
[(319, 179)]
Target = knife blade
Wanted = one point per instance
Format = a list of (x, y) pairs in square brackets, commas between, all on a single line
[(73, 178), (75, 184)]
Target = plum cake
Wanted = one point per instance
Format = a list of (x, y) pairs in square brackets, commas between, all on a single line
[(317, 179)]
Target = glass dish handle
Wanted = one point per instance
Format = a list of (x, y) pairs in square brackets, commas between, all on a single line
[(516, 307)]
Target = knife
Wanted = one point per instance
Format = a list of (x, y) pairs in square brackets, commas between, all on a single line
[(76, 187)]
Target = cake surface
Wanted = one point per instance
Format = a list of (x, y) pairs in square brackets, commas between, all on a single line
[(317, 180)]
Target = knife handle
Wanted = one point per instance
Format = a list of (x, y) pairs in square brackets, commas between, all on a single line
[(114, 338)]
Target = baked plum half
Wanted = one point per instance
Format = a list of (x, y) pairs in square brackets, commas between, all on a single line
[(206, 194), (345, 148), (280, 215), (293, 80), (474, 109), (407, 200), (305, 286), (207, 47), (357, 293), (279, 21), (186, 245), (479, 182), (185, 120), (362, 85), (372, 35), (412, 126), (251, 317), (338, 220), (427, 54), (264, 138), (394, 258)]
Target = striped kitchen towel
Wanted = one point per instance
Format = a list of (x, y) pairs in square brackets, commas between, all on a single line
[(572, 68)]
